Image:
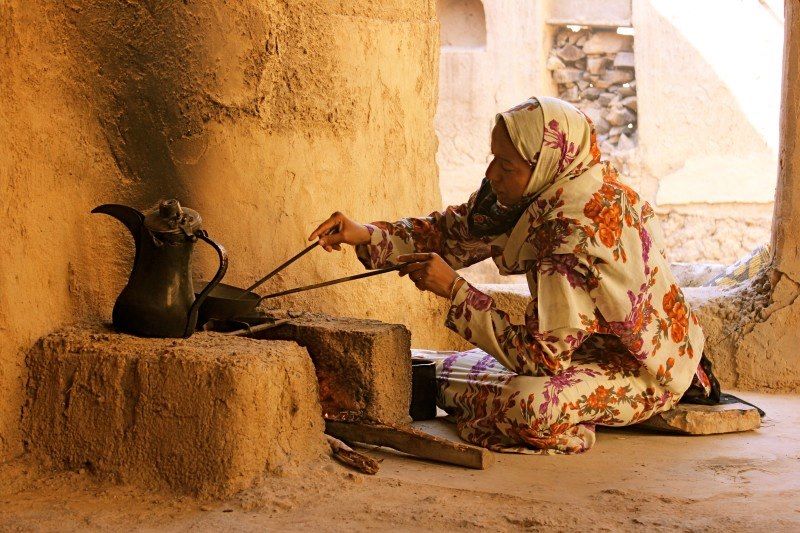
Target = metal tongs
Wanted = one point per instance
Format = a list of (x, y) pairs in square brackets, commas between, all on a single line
[(303, 252)]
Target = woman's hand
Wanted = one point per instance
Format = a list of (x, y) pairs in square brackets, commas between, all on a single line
[(429, 272), (342, 231)]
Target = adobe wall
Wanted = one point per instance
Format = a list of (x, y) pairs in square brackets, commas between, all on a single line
[(477, 81), (708, 76), (264, 116)]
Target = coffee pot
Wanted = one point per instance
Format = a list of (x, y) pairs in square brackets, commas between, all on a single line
[(159, 299)]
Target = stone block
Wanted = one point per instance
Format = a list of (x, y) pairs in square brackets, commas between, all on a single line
[(630, 102), (570, 53), (209, 415), (624, 60), (608, 42), (363, 366), (567, 75), (596, 64), (618, 116), (554, 63), (690, 419), (617, 76)]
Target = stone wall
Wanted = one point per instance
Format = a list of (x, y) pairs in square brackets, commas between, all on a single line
[(594, 69), (265, 116)]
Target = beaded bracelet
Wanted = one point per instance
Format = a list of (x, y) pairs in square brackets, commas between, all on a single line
[(453, 286)]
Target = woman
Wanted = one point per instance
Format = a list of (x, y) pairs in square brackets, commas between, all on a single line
[(608, 338)]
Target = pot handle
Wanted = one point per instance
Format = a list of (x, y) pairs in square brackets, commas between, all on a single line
[(191, 322)]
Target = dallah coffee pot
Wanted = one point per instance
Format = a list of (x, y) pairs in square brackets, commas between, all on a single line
[(159, 300)]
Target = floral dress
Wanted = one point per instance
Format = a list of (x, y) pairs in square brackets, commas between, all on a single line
[(607, 337)]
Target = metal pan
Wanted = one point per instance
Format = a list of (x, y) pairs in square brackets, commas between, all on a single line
[(225, 302)]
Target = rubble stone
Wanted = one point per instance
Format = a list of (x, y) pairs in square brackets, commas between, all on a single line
[(570, 53), (605, 98), (597, 75), (625, 91), (607, 42), (567, 75), (629, 102), (570, 95), (619, 116), (625, 143), (596, 64), (623, 60), (554, 63), (590, 93), (615, 77)]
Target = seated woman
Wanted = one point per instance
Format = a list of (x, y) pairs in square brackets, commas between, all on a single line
[(608, 338)]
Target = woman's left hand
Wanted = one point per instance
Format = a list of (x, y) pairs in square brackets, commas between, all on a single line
[(429, 272)]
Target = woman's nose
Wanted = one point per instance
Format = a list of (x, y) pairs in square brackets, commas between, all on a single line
[(491, 174)]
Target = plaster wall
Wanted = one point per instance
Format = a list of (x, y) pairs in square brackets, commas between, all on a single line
[(475, 83), (610, 13), (263, 116), (708, 78)]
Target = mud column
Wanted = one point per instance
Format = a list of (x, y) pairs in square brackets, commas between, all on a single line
[(786, 222)]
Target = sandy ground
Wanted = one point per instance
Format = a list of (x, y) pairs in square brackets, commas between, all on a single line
[(630, 480)]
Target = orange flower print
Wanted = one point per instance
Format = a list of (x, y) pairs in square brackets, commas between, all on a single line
[(610, 226), (677, 313), (608, 191), (598, 400), (593, 207)]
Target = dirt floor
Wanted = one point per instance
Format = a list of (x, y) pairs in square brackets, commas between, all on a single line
[(631, 479)]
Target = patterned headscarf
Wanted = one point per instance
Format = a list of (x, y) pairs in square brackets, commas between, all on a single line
[(488, 216), (563, 141), (546, 148)]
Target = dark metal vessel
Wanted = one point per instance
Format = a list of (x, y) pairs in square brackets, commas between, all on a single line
[(159, 299)]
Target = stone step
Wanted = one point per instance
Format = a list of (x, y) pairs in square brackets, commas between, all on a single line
[(691, 419)]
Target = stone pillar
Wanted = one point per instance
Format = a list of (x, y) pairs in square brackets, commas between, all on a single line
[(786, 222)]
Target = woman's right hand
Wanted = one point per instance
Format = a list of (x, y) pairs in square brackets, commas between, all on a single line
[(344, 231)]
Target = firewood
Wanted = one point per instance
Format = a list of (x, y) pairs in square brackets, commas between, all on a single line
[(411, 441), (348, 456)]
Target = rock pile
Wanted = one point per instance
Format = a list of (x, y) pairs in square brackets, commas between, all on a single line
[(594, 69)]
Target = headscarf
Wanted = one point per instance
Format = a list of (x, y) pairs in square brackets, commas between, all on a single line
[(563, 141), (488, 216), (592, 249)]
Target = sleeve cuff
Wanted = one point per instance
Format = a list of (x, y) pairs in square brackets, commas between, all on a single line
[(375, 253)]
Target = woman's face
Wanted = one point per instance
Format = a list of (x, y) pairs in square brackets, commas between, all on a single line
[(508, 172)]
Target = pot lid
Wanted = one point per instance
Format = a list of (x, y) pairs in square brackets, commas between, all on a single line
[(169, 217)]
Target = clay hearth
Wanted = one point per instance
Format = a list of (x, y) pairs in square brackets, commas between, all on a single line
[(212, 414), (363, 366)]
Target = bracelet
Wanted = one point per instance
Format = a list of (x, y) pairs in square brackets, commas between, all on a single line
[(453, 286)]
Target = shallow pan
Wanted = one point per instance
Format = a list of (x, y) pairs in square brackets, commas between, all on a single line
[(225, 302)]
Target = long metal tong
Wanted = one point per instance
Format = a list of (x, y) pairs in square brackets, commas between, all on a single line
[(315, 285), (335, 281)]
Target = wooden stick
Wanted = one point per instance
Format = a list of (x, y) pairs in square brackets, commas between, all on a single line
[(347, 455), (261, 327), (412, 441)]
